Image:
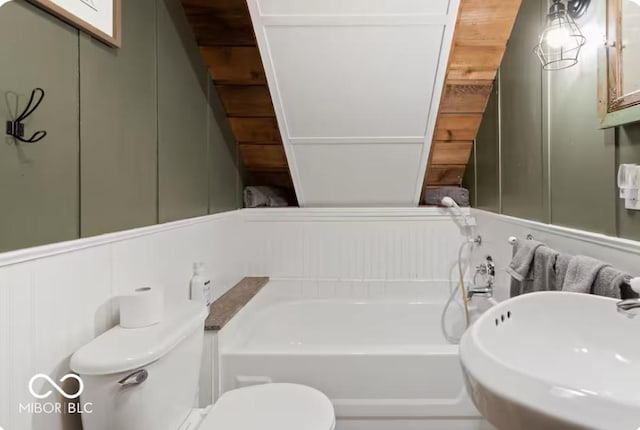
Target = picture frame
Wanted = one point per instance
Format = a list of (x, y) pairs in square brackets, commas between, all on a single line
[(99, 18), (616, 105)]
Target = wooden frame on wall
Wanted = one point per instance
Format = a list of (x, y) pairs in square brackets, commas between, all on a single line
[(614, 106), (86, 16)]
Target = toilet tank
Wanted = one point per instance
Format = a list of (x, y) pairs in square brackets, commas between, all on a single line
[(139, 379)]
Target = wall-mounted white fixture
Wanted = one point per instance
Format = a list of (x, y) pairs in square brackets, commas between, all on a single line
[(561, 40), (629, 185)]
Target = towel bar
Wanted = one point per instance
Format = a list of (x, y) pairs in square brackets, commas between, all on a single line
[(512, 239)]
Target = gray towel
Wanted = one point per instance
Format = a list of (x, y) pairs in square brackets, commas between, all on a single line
[(581, 273), (544, 273), (434, 196), (261, 196), (609, 282), (523, 253), (562, 263)]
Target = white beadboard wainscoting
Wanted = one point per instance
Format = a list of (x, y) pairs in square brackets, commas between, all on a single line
[(496, 229), (56, 298), (352, 244)]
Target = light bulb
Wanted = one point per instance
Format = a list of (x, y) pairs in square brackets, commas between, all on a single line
[(557, 37)]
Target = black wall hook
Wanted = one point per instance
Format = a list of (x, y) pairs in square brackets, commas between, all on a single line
[(15, 128)]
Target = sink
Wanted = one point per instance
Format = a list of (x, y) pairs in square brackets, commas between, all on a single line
[(554, 360)]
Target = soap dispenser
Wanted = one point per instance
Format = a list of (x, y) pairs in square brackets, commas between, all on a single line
[(200, 285)]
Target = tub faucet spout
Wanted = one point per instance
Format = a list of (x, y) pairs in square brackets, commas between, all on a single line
[(480, 291), (629, 307), (488, 271)]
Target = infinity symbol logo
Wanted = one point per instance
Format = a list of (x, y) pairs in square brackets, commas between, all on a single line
[(57, 387)]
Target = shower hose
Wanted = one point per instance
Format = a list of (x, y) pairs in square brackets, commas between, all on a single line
[(463, 292)]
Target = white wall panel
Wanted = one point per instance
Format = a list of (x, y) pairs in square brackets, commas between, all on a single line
[(377, 244), (17, 327), (56, 298)]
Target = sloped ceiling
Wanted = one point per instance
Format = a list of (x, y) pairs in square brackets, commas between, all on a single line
[(223, 30), (340, 97), (356, 86)]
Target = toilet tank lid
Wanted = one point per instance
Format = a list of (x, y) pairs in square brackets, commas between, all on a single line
[(121, 349)]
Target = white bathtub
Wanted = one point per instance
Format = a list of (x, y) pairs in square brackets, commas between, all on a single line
[(376, 350)]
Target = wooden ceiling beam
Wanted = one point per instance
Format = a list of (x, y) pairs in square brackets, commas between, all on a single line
[(482, 30), (451, 152), (224, 32), (234, 65), (457, 126), (246, 100), (258, 130)]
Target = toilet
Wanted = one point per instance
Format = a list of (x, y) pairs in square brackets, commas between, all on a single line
[(147, 379)]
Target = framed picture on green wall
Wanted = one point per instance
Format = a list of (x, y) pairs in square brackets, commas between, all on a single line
[(619, 86), (99, 18)]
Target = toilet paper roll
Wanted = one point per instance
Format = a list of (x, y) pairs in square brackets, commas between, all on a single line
[(142, 308)]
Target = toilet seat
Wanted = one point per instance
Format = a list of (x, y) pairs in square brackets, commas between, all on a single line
[(271, 407)]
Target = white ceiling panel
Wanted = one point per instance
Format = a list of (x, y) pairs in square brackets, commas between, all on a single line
[(353, 7), (358, 174), (364, 82), (356, 86)]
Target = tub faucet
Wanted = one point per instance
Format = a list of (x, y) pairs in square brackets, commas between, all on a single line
[(487, 269), (481, 291), (629, 307)]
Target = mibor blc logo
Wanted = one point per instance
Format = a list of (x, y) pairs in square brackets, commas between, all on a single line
[(71, 406), (57, 387)]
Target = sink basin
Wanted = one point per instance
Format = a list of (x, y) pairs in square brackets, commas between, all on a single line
[(554, 360)]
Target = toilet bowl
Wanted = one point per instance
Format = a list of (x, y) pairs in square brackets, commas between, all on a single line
[(147, 379), (271, 407)]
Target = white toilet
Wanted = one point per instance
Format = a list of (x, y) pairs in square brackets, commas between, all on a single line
[(147, 379)]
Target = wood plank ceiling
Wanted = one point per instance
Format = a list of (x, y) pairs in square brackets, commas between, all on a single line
[(482, 30), (224, 33)]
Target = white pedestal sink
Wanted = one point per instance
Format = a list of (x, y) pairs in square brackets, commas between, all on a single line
[(555, 361)]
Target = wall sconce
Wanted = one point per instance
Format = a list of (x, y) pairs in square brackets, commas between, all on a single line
[(561, 40)]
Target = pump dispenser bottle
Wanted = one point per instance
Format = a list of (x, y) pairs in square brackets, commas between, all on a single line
[(200, 285)]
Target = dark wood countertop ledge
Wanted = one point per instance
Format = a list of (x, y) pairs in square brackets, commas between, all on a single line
[(230, 303)]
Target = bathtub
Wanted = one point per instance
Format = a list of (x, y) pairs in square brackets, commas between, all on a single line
[(375, 349)]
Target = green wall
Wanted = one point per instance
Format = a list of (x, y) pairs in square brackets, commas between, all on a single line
[(136, 135), (540, 153)]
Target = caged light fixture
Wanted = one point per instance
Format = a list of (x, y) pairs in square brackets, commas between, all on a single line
[(561, 40)]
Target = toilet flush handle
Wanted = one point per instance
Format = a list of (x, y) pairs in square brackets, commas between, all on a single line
[(135, 378)]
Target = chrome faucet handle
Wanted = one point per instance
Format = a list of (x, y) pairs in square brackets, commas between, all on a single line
[(135, 378), (480, 291), (491, 267), (627, 306)]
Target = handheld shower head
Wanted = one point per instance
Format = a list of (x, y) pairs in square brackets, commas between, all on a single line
[(448, 202)]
